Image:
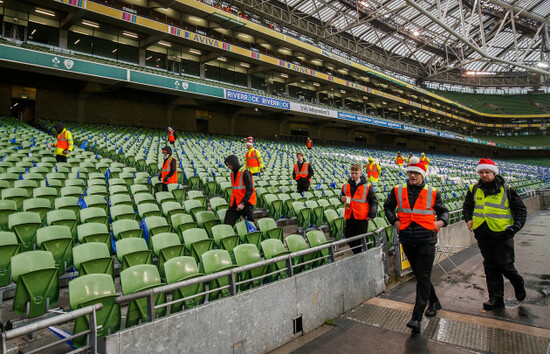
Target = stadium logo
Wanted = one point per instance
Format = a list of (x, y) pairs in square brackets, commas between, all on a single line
[(55, 62), (68, 63), (184, 85)]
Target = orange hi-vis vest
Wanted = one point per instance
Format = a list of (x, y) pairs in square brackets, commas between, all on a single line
[(238, 189), (251, 159), (359, 204), (303, 173), (372, 170), (309, 144), (171, 136), (166, 170), (62, 141), (423, 213), (425, 160), (399, 160)]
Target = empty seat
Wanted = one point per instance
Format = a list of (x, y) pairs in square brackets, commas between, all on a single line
[(303, 214), (7, 207), (133, 251), (193, 206), (183, 268), (197, 242), (48, 193), (171, 208), (41, 206), (37, 282), (94, 232), (123, 211), (67, 203), (93, 258), (166, 246), (182, 222), (317, 238), (63, 217), (296, 243), (225, 237), (9, 247), (162, 197), (216, 261), (126, 228), (206, 220), (15, 194), (97, 201), (24, 225), (178, 191), (121, 199), (144, 198), (272, 248), (270, 229), (139, 278), (92, 289), (94, 214), (58, 240), (252, 236), (155, 225), (248, 254), (147, 210), (336, 223), (218, 203)]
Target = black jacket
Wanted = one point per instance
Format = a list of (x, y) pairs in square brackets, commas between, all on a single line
[(309, 171), (414, 233), (371, 197), (247, 177), (519, 212)]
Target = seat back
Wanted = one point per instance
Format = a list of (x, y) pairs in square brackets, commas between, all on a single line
[(24, 225), (126, 228), (9, 247)]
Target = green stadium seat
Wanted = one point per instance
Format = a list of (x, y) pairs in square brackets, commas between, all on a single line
[(24, 225), (197, 195), (178, 191), (225, 237), (126, 228), (197, 242), (254, 237), (171, 208), (272, 248), (336, 223), (26, 184), (166, 246), (144, 198), (146, 210), (58, 240), (63, 217), (163, 197), (192, 207), (218, 203), (156, 225), (93, 289), (18, 195), (37, 284), (94, 214), (248, 254), (93, 258), (97, 201), (274, 204), (183, 268), (303, 214), (296, 243), (215, 261), (9, 247), (121, 199), (38, 205), (72, 191), (182, 222), (317, 238), (139, 278), (67, 203), (132, 251), (206, 220), (269, 229), (94, 232), (7, 207)]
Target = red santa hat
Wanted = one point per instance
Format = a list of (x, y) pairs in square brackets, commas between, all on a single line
[(415, 165), (250, 142), (487, 164)]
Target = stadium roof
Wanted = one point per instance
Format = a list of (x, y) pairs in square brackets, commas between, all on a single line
[(507, 38)]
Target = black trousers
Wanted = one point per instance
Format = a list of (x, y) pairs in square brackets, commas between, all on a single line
[(498, 261), (303, 185), (355, 227), (164, 187), (232, 214), (422, 258), (61, 158)]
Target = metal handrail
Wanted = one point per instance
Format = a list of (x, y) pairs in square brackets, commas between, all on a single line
[(63, 318)]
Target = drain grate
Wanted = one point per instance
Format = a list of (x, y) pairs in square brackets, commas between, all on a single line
[(464, 334)]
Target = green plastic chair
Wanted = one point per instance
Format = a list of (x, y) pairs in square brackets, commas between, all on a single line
[(121, 199), (166, 246), (97, 201), (133, 251), (94, 214), (37, 284), (274, 205), (7, 207), (26, 184), (215, 261), (269, 229), (317, 238), (225, 238), (171, 208), (67, 203), (72, 191), (9, 247), (97, 190), (118, 189), (63, 217), (221, 215), (146, 210), (58, 240), (139, 278), (380, 222), (316, 212), (163, 197), (206, 220), (156, 225), (123, 212), (218, 203), (93, 289), (336, 223), (48, 193), (38, 205), (144, 198), (126, 228), (94, 232), (178, 191), (182, 222), (303, 214), (197, 242), (139, 189), (254, 237), (24, 225), (9, 177), (272, 248), (93, 258), (183, 268), (248, 254), (18, 195), (296, 243), (192, 207)]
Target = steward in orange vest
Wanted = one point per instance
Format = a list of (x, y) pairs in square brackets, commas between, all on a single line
[(171, 136), (399, 160), (169, 173), (302, 173), (64, 143), (253, 159), (309, 143), (361, 208), (243, 194), (373, 170), (420, 214)]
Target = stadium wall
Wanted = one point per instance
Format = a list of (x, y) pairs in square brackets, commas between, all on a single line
[(260, 320)]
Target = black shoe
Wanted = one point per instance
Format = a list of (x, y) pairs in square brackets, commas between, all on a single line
[(432, 309), (493, 303), (414, 325), (520, 291)]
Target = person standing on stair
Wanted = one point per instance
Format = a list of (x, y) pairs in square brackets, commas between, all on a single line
[(253, 159), (302, 173), (495, 213), (243, 194), (171, 136), (169, 173), (64, 144), (420, 214)]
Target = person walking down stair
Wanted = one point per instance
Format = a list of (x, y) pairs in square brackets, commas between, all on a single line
[(302, 173), (399, 160), (495, 213), (420, 214), (253, 159), (171, 136), (169, 173), (373, 170), (64, 144), (243, 194)]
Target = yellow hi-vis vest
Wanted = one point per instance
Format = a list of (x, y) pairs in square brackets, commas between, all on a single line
[(493, 209)]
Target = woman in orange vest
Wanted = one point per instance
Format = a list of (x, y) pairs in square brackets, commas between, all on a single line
[(169, 173), (309, 143), (360, 206), (171, 136), (302, 173), (420, 214), (243, 194)]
